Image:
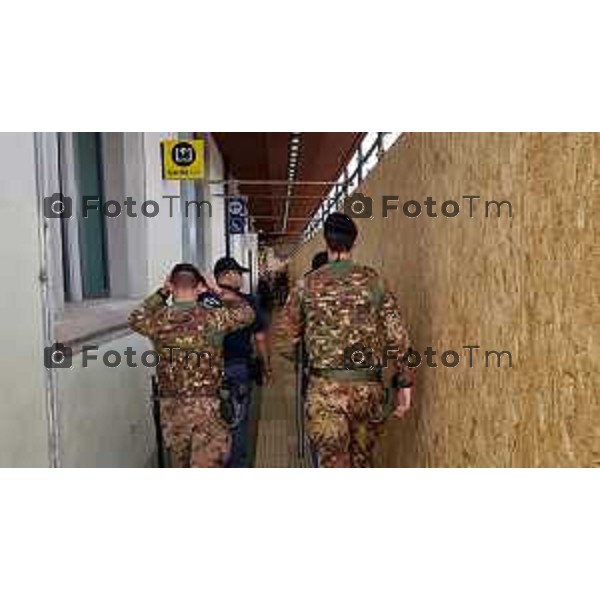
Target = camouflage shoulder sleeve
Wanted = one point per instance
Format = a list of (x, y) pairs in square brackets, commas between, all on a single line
[(377, 290), (143, 318), (394, 330), (232, 315), (396, 336), (293, 311)]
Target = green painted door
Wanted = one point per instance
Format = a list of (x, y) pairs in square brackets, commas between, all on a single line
[(92, 230)]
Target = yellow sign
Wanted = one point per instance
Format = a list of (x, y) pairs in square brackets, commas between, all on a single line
[(183, 159)]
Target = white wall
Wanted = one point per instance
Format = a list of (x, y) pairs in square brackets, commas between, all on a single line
[(104, 415), (124, 176), (241, 245), (164, 232), (215, 227), (23, 418), (106, 412)]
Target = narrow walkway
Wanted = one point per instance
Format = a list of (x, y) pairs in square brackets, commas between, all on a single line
[(277, 438)]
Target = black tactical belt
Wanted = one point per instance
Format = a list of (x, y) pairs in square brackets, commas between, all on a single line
[(348, 374)]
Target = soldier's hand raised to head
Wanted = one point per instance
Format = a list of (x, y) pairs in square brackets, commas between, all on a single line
[(167, 286), (403, 402)]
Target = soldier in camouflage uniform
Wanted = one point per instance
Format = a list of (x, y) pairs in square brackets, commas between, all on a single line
[(189, 341), (348, 316)]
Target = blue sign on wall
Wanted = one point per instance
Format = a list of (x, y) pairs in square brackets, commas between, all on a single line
[(238, 214)]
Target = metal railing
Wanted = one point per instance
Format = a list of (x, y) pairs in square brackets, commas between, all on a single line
[(369, 152)]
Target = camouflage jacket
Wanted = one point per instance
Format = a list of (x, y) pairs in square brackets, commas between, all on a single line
[(188, 339), (343, 307)]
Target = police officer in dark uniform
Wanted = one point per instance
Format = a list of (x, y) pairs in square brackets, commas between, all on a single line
[(242, 366)]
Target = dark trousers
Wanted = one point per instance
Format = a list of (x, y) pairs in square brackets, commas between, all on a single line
[(237, 375)]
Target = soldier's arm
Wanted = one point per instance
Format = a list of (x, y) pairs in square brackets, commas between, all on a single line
[(395, 336), (235, 313), (293, 316), (141, 319), (293, 322)]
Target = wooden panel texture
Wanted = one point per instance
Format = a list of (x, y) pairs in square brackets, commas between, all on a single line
[(527, 284)]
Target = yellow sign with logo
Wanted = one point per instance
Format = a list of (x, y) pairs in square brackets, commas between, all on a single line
[(183, 159)]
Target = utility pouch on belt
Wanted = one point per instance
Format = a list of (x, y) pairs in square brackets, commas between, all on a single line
[(399, 380), (226, 405), (230, 405)]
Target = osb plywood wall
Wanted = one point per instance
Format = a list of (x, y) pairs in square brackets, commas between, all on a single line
[(527, 284)]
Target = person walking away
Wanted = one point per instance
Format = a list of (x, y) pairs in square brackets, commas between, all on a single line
[(346, 314)]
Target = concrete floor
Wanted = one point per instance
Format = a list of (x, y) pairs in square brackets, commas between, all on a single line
[(277, 439)]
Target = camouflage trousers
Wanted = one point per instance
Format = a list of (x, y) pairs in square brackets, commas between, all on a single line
[(343, 421), (194, 433)]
